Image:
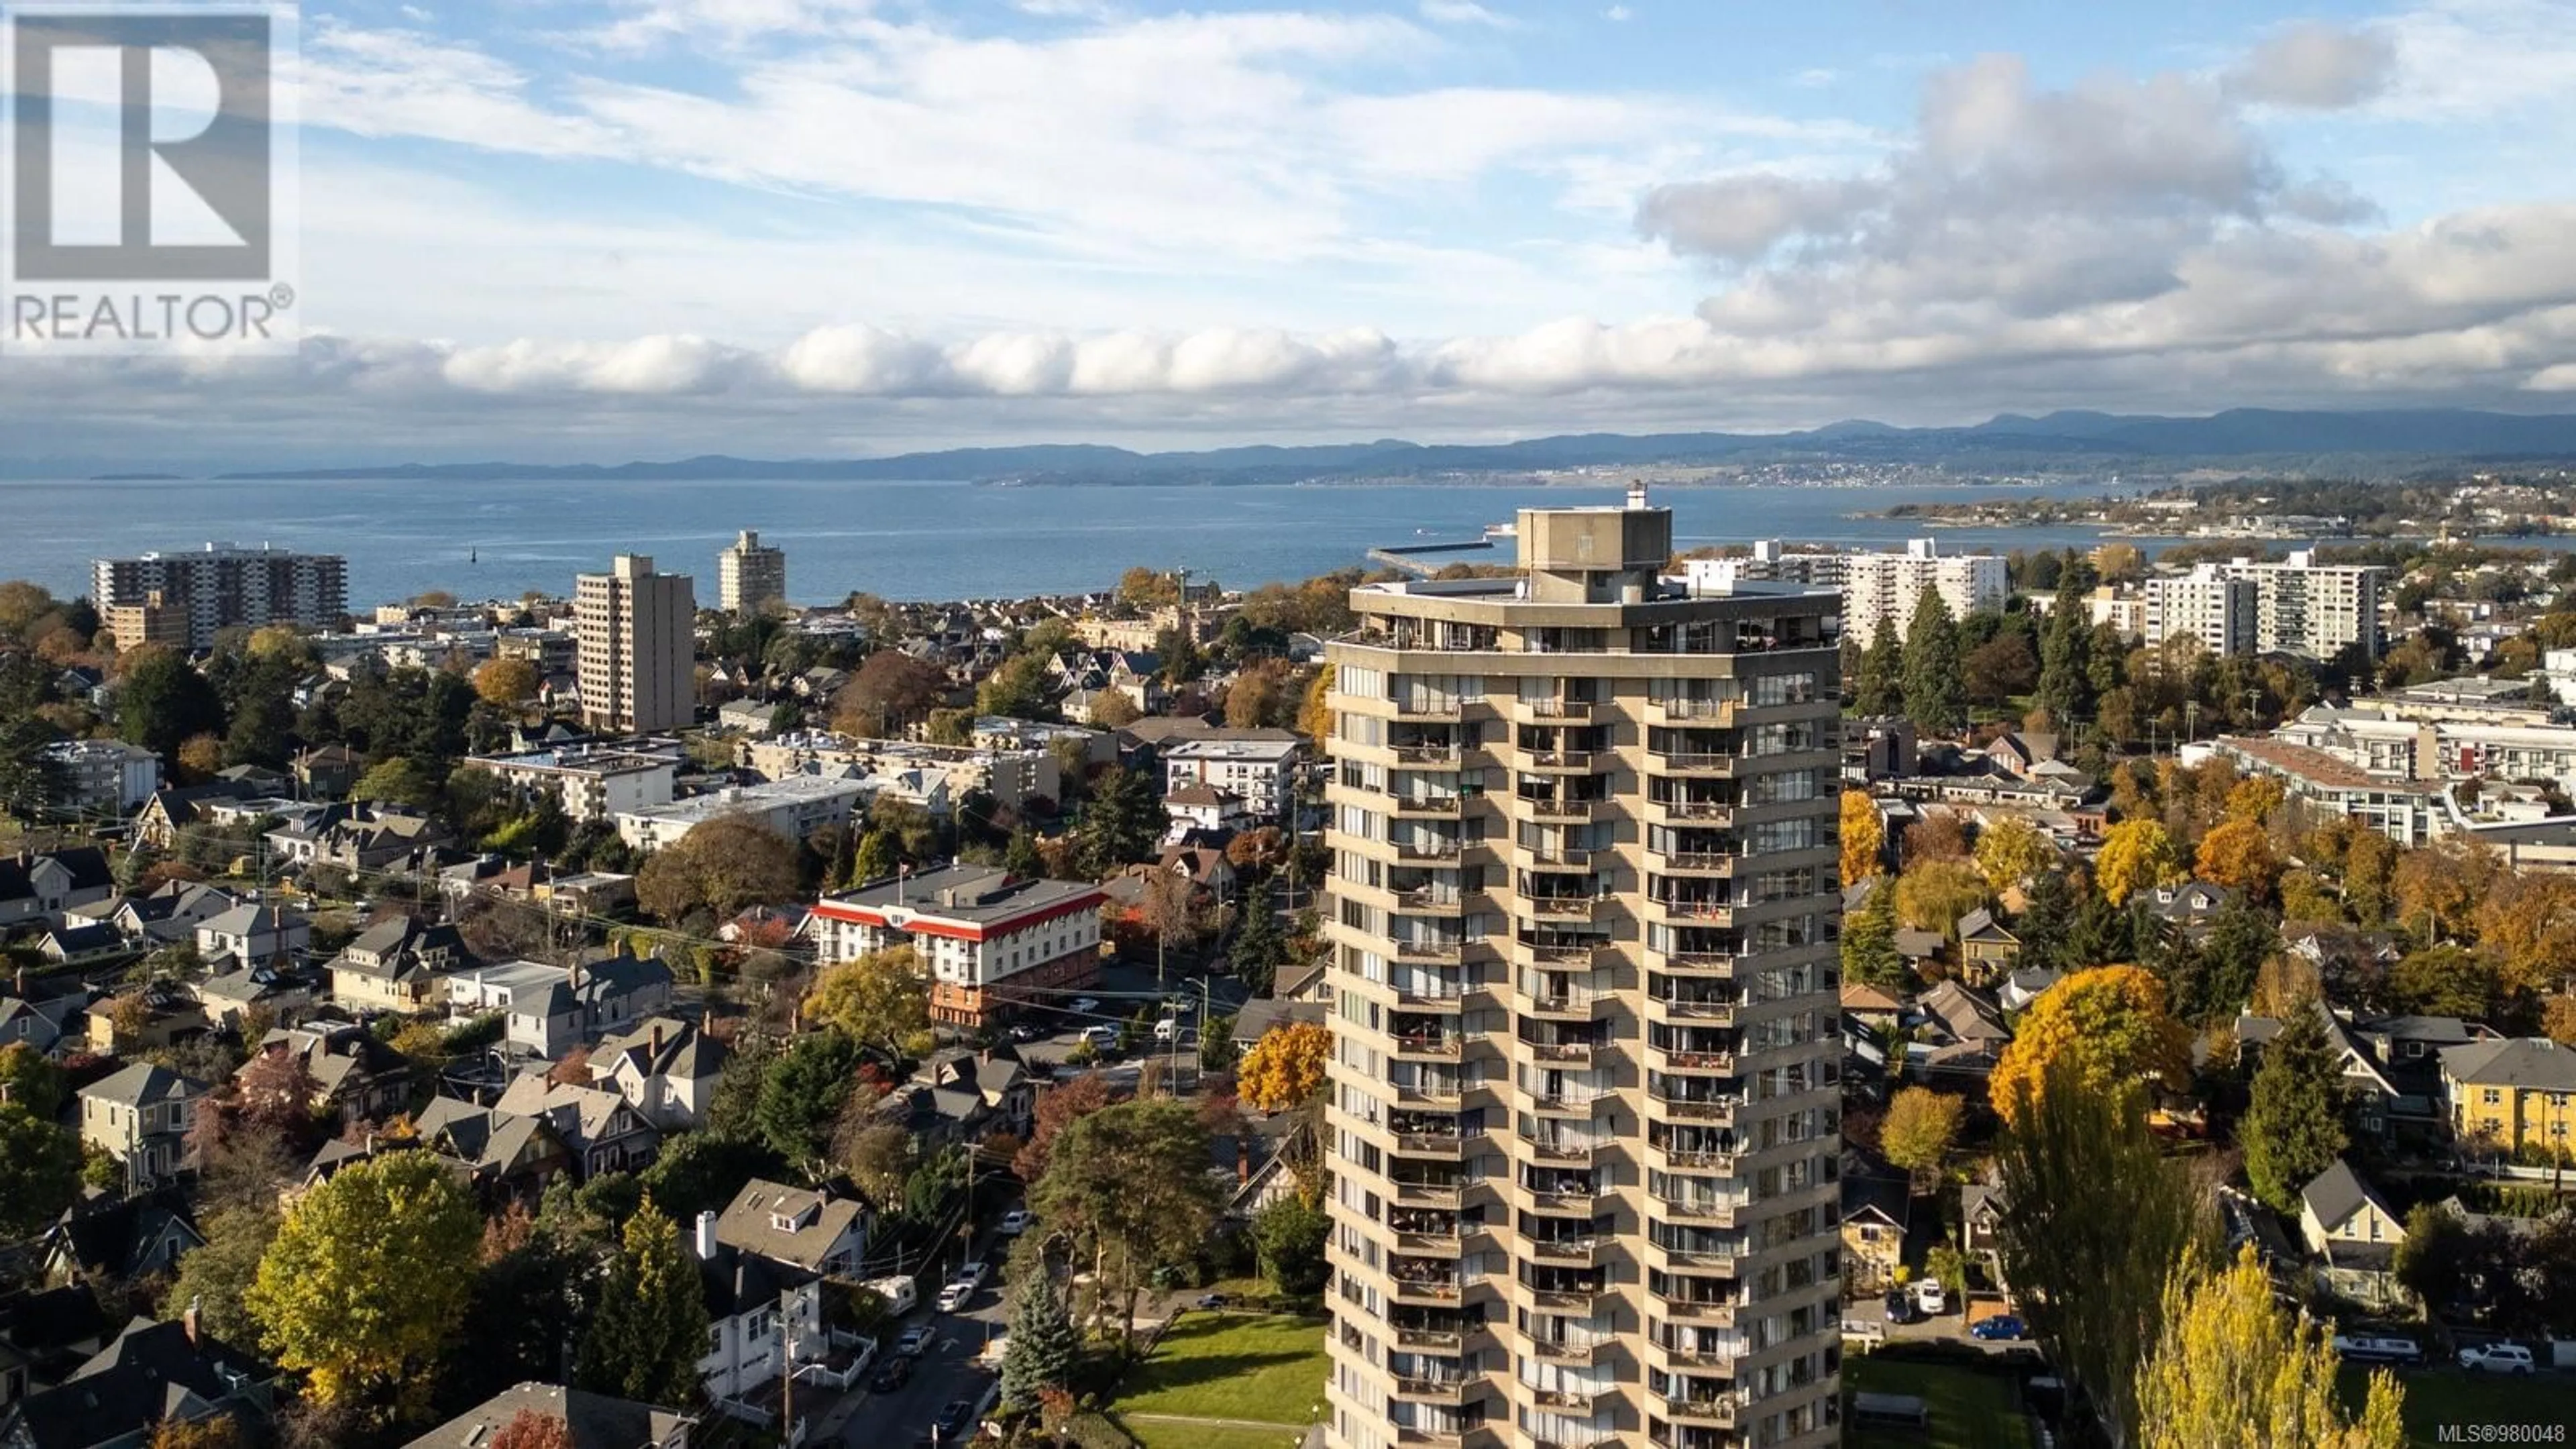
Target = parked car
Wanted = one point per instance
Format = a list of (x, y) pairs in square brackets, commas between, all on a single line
[(1101, 1037), (1016, 1222), (2001, 1326), (1025, 1033), (1166, 1029), (1214, 1301), (1901, 1307), (912, 1341), (891, 1375), (973, 1274), (1929, 1296), (954, 1420), (1083, 1005), (2365, 1348), (2497, 1358), (954, 1296)]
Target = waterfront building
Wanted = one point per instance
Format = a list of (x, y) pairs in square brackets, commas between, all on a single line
[(183, 600), (2313, 610), (635, 645), (1889, 585), (2207, 604), (1584, 1099), (750, 574)]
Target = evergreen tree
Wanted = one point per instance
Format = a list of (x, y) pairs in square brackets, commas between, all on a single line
[(2102, 934), (1878, 689), (1121, 826), (1043, 1348), (2065, 660), (2232, 955), (1936, 690), (1869, 941), (2294, 1128), (1260, 947), (1021, 857), (2046, 921), (651, 1327)]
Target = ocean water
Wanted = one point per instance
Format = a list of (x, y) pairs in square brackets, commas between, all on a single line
[(499, 539)]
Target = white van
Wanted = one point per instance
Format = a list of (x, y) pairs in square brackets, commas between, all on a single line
[(900, 1293)]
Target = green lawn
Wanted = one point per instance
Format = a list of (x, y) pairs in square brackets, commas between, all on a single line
[(1970, 1410), (1230, 1366), (2439, 1397)]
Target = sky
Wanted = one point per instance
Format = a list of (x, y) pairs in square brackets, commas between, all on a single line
[(559, 230)]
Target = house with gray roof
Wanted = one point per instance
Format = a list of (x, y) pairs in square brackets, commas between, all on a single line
[(800, 1227), (591, 1421), (151, 1373), (398, 964), (140, 1116), (602, 1132), (665, 1068), (2354, 1232)]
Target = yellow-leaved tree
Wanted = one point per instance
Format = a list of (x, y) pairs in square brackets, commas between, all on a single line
[(2013, 850), (368, 1281), (2238, 854), (1864, 837), (1315, 715), (1285, 1067), (2233, 1367), (2110, 1026), (880, 998), (2136, 855)]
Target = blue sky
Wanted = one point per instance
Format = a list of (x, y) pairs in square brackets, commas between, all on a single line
[(549, 229)]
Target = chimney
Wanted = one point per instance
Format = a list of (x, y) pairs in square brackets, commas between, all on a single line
[(707, 1234), (188, 1322), (657, 1037)]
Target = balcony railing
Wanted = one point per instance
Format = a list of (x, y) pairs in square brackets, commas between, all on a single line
[(1694, 908), (1570, 709), (1438, 1144), (1563, 1250), (1440, 1390), (1423, 709), (1697, 1209), (1567, 1350), (1430, 951), (1557, 759), (1578, 1400), (1561, 1051), (1436, 1338), (1688, 1109), (1429, 901), (1559, 1149), (1436, 1094), (1714, 1063), (1446, 1048), (1716, 810), (1429, 1290), (1426, 1194), (1702, 860), (1682, 1010), (1440, 806), (1434, 755), (1690, 762), (1562, 908), (1690, 709), (1426, 850), (1559, 1003), (1560, 809)]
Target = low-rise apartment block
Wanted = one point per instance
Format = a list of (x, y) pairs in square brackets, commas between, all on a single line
[(1258, 765), (103, 777), (594, 782), (795, 807), (993, 942)]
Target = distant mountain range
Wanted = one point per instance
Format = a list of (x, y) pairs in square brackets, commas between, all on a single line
[(2367, 442)]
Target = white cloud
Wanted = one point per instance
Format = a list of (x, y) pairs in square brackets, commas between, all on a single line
[(1465, 12), (1618, 13), (2317, 66)]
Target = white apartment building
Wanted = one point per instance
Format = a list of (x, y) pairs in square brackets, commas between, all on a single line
[(104, 777), (1259, 765), (2220, 611), (750, 574), (795, 807), (594, 782), (1888, 586), (186, 599), (2310, 609), (1767, 563), (993, 942), (637, 646)]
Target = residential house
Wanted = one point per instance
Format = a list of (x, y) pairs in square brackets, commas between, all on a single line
[(328, 772), (1003, 1096), (356, 1077), (173, 809), (46, 1334), (797, 1227), (37, 889), (1964, 1031), (1981, 1209), (103, 778), (120, 1239), (227, 1001), (81, 945), (2375, 1099), (399, 964), (591, 1421), (2516, 1095), (1210, 875), (140, 1116), (149, 1017), (365, 839), (590, 893), (1987, 951), (168, 914), (507, 1156), (1200, 806), (149, 1374), (2187, 906), (1876, 1209), (1265, 1014), (601, 1131), (252, 935), (2346, 1223), (549, 1010), (45, 1023), (1868, 1007), (2025, 985), (756, 1308), (666, 1069)]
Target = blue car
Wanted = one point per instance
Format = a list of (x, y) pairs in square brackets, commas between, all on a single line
[(2001, 1326)]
